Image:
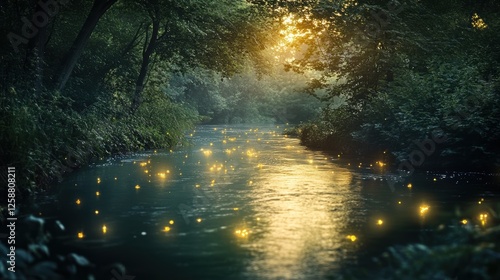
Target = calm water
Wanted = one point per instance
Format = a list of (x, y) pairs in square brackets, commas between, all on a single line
[(248, 203)]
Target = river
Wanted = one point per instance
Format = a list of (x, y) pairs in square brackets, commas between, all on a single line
[(245, 202)]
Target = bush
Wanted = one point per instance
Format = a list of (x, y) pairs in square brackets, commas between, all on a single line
[(451, 99)]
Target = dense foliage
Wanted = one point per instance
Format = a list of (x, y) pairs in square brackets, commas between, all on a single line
[(408, 71), (82, 79)]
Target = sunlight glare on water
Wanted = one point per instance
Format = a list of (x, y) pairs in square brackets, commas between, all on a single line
[(303, 218)]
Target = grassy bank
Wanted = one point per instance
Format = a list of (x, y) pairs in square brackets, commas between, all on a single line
[(45, 137)]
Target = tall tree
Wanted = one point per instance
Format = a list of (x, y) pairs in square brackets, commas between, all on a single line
[(196, 33), (99, 7)]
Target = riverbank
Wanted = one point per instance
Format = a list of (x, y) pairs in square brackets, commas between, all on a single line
[(428, 154)]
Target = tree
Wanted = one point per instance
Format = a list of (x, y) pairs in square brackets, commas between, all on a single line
[(99, 7), (196, 33)]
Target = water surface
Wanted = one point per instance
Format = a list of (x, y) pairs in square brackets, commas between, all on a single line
[(247, 202)]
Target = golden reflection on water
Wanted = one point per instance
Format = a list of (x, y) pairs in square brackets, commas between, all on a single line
[(301, 208)]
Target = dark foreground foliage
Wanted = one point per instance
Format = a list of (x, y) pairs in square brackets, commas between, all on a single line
[(34, 258)]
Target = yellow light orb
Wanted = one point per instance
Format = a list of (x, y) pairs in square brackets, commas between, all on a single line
[(80, 235), (380, 222), (352, 237), (78, 201), (104, 229), (166, 229), (199, 220), (171, 222), (424, 209)]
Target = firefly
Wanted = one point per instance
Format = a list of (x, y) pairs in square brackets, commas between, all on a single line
[(424, 209), (352, 237)]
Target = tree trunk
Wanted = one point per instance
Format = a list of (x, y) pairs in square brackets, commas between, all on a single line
[(146, 59), (69, 62)]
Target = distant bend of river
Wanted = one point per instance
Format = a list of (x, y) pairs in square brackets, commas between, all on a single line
[(246, 202)]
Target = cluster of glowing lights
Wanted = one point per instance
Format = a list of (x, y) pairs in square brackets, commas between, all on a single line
[(352, 237), (480, 201), (104, 229), (483, 218), (251, 153), (478, 22), (242, 232), (216, 167), (162, 175), (424, 209)]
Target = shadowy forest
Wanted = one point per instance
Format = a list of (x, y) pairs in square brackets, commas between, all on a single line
[(415, 80), (416, 83)]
